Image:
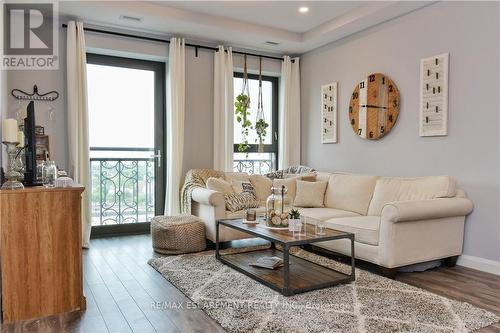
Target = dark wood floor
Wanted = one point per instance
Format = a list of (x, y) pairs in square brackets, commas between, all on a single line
[(121, 290)]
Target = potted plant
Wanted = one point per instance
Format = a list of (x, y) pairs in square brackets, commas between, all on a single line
[(242, 105), (294, 220), (261, 129)]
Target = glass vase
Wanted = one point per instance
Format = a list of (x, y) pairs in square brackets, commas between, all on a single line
[(49, 174), (277, 208)]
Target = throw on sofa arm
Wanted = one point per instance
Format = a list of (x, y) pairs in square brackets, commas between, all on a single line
[(401, 211)]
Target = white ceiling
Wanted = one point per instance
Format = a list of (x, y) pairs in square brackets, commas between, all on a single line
[(276, 14), (244, 24)]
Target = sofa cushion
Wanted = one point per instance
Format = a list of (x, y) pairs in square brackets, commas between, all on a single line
[(310, 194), (219, 185), (364, 228), (324, 214), (390, 189), (323, 176), (350, 192), (262, 186)]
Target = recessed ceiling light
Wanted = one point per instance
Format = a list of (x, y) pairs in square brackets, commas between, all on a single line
[(303, 10)]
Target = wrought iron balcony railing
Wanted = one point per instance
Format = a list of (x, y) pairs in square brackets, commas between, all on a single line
[(253, 166), (123, 190)]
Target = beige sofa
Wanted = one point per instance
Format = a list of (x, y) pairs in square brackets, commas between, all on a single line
[(396, 221)]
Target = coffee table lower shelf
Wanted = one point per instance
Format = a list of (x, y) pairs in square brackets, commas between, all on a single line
[(304, 275)]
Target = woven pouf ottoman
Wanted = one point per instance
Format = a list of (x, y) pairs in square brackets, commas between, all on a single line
[(178, 234)]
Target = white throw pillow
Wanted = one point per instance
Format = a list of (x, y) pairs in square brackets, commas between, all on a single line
[(310, 194), (219, 185), (290, 184), (262, 186)]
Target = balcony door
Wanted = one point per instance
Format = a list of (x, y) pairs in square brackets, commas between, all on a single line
[(126, 105)]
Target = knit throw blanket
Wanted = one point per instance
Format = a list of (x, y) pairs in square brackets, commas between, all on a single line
[(296, 169), (195, 178)]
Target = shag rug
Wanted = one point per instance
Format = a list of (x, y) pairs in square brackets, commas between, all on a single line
[(370, 304)]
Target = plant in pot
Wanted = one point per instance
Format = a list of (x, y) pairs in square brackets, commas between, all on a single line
[(242, 105), (294, 220), (261, 129)]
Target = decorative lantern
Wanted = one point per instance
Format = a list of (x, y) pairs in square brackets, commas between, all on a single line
[(277, 208)]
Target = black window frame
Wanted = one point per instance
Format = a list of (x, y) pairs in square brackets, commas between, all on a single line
[(274, 146), (159, 68)]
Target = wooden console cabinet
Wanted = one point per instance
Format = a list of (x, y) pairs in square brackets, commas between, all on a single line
[(40, 252)]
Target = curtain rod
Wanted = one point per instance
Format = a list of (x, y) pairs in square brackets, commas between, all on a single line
[(121, 34)]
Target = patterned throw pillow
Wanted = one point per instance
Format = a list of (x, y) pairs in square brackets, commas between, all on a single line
[(239, 201), (240, 186)]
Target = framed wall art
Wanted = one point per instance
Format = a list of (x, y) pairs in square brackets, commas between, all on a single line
[(434, 95), (329, 113)]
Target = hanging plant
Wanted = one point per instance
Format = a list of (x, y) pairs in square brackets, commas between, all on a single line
[(242, 106), (260, 125), (261, 129)]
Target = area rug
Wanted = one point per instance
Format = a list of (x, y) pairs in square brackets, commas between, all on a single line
[(371, 304)]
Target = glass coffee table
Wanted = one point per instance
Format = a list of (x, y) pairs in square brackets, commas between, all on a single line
[(297, 275)]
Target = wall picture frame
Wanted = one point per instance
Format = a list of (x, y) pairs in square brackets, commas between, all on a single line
[(329, 112), (434, 95)]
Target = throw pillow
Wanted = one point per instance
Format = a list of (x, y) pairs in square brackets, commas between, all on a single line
[(290, 184), (262, 186), (310, 194), (239, 201), (240, 186), (219, 185)]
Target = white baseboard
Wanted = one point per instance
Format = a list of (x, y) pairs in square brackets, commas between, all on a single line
[(481, 264)]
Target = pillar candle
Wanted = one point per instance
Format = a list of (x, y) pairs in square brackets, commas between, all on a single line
[(9, 130)]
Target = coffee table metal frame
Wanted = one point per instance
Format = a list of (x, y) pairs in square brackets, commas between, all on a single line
[(286, 290)]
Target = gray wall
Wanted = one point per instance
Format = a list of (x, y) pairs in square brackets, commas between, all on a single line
[(470, 32), (46, 80)]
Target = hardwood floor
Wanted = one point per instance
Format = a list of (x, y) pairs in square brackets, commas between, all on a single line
[(124, 294)]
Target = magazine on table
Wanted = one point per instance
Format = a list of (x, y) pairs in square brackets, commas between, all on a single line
[(268, 262)]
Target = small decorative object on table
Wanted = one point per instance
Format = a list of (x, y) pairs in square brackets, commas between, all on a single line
[(294, 223), (11, 141), (49, 174), (63, 180), (277, 205), (251, 215), (320, 228)]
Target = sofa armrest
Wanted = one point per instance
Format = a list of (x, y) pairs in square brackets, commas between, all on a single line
[(207, 197), (401, 211)]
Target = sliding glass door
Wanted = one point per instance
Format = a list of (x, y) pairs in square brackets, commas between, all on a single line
[(126, 133)]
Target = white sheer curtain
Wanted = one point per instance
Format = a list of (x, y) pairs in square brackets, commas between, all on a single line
[(78, 136), (289, 113), (176, 91), (223, 109)]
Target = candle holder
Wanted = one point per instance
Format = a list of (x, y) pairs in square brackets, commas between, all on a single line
[(12, 174)]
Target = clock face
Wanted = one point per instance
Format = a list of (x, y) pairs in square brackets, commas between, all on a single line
[(374, 106)]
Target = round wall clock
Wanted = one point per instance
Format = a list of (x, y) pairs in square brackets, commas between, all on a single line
[(374, 106)]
